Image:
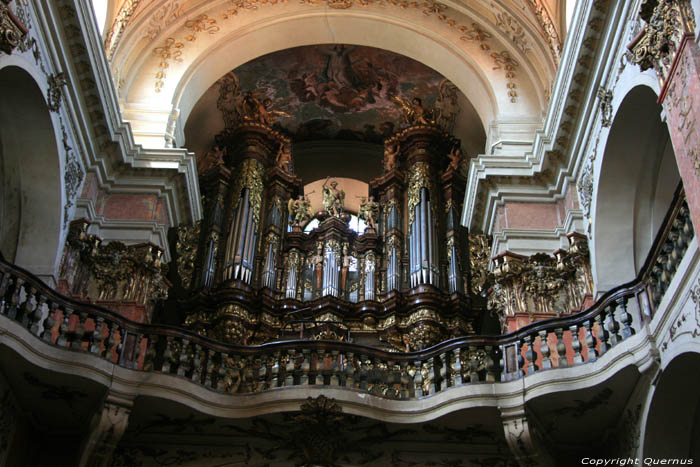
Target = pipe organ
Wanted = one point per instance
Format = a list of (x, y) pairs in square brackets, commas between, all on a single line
[(403, 283)]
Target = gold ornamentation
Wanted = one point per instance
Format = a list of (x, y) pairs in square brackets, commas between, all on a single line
[(605, 97), (666, 25), (369, 209), (333, 198), (419, 177), (251, 174), (440, 11), (299, 210), (187, 242), (541, 283), (512, 28), (503, 60), (11, 30), (479, 258), (171, 49), (201, 23), (414, 113), (549, 30), (119, 25), (55, 93)]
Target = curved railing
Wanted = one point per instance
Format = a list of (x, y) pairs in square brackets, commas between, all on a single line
[(560, 342)]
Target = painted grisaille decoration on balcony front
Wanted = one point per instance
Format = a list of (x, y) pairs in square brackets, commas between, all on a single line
[(256, 273)]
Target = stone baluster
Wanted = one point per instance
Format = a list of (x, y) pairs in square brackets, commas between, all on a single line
[(602, 333), (79, 333), (625, 318), (491, 368), (363, 372), (209, 369), (530, 354), (520, 359), (418, 379), (13, 303), (247, 375), (111, 340), (318, 368), (473, 364), (37, 321), (169, 357), (5, 283), (445, 371), (198, 364), (335, 368), (96, 336), (275, 369), (405, 380), (149, 359), (429, 380), (133, 363), (221, 372), (561, 348), (305, 367), (612, 325), (349, 370), (64, 328), (457, 367), (289, 370), (576, 344), (184, 359), (590, 340), (544, 350), (49, 323), (28, 307)]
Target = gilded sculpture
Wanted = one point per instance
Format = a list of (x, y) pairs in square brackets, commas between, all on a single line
[(369, 209), (284, 157), (259, 111), (414, 113), (299, 210), (333, 198), (391, 153), (456, 158)]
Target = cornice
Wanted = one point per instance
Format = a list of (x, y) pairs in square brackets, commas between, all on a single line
[(90, 100), (542, 173)]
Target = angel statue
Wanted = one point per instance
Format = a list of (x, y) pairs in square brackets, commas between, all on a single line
[(414, 113), (284, 157), (390, 155), (369, 209), (300, 210), (333, 198), (260, 111), (455, 156)]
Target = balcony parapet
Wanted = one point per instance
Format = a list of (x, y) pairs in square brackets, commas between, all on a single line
[(569, 341)]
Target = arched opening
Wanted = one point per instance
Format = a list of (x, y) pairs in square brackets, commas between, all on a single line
[(638, 177), (673, 422), (30, 198)]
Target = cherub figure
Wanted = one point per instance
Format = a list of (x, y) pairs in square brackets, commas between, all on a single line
[(455, 156), (333, 198), (260, 111), (391, 153), (284, 157), (300, 210), (211, 159), (368, 211), (414, 113)]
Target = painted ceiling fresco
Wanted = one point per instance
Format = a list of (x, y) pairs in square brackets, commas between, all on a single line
[(336, 91)]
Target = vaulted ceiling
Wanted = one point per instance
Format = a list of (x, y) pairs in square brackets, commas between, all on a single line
[(167, 56)]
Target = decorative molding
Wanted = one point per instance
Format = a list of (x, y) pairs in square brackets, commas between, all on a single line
[(119, 25), (12, 31), (55, 91), (547, 27), (106, 429), (172, 48)]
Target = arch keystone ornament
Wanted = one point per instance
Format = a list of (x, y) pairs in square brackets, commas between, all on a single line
[(524, 440)]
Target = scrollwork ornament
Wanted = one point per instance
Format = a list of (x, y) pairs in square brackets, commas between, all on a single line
[(55, 92), (419, 177), (11, 30)]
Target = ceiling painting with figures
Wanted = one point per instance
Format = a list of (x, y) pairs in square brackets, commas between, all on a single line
[(337, 91)]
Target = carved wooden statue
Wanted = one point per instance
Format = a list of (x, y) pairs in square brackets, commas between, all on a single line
[(333, 198)]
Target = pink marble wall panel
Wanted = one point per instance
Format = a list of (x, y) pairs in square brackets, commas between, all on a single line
[(682, 107), (127, 206), (90, 188), (499, 220), (532, 216)]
